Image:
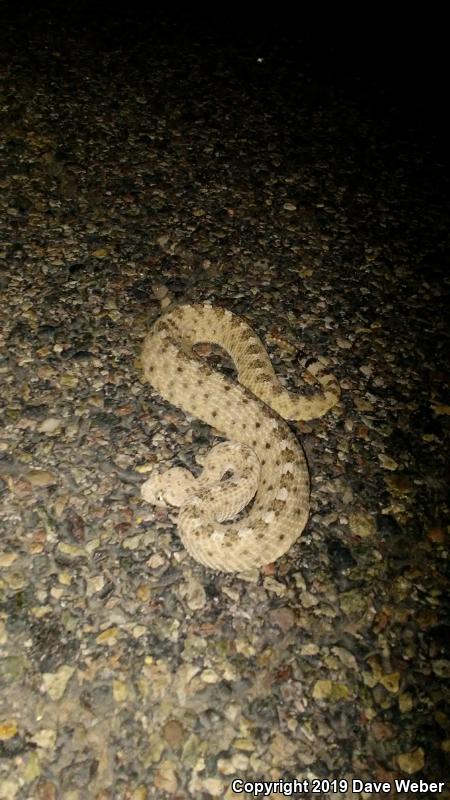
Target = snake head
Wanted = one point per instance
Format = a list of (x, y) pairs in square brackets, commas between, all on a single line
[(171, 488), (152, 491)]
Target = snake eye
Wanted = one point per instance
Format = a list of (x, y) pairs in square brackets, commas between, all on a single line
[(159, 498)]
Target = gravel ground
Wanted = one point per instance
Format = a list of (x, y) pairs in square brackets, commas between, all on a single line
[(143, 161)]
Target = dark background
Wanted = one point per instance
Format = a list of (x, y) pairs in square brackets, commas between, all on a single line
[(407, 49)]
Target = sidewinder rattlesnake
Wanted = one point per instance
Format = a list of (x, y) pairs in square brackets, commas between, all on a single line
[(263, 456)]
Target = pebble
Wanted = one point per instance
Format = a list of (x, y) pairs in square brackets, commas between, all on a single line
[(40, 478)]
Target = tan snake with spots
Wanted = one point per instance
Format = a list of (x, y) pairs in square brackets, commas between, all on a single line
[(264, 455)]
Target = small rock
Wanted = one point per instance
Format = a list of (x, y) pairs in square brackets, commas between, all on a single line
[(140, 793), (50, 425), (8, 729), (344, 344), (70, 552), (330, 690), (353, 603), (194, 594), (138, 631), (45, 738), (347, 658), (405, 702), (437, 535), (6, 559), (309, 650), (362, 525), (45, 790), (109, 636), (213, 786), (250, 575), (174, 733), (387, 462), (441, 668), (166, 778), (54, 683), (120, 691), (283, 617), (132, 542), (8, 789), (275, 586), (411, 762), (390, 681), (362, 404), (308, 600), (40, 478), (210, 676), (159, 289), (16, 579)]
